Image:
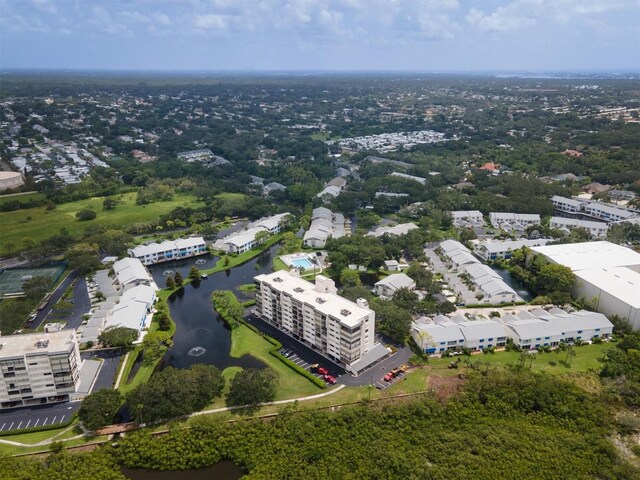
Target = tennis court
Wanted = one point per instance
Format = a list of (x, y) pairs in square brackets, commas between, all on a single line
[(11, 280)]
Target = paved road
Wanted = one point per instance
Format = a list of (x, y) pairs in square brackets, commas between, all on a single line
[(81, 304), (107, 374), (57, 294), (37, 416)]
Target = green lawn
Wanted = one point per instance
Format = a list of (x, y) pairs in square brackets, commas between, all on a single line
[(279, 265), (40, 223), (247, 287), (245, 341), (587, 358)]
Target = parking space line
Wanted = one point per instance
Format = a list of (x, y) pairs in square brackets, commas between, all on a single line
[(45, 421), (54, 420), (17, 428), (37, 422), (62, 419), (3, 425), (27, 425)]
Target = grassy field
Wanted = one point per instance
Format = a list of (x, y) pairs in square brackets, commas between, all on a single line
[(40, 223), (587, 358), (245, 341), (23, 197)]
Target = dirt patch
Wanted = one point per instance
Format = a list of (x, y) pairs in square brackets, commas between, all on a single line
[(445, 387)]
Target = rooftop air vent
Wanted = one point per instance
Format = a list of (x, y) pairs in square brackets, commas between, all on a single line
[(277, 279), (320, 300), (344, 312), (298, 289), (42, 343)]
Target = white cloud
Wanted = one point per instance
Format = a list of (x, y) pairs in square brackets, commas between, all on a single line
[(45, 6), (210, 22), (162, 19)]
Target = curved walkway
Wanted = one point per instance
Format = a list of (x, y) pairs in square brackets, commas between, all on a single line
[(204, 412)]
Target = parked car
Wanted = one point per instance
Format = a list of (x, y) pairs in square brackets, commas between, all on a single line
[(323, 371), (393, 374), (316, 368), (329, 379)]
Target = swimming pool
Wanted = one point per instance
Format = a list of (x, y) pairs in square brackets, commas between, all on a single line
[(302, 263)]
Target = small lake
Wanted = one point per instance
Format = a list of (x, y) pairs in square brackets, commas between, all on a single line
[(201, 335), (514, 283), (224, 470)]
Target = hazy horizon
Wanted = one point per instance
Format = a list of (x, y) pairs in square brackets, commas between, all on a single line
[(431, 36)]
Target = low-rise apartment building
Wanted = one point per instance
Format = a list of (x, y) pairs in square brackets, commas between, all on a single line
[(169, 250), (245, 240), (38, 368), (513, 221), (595, 229), (467, 218), (389, 285), (494, 249), (325, 224)]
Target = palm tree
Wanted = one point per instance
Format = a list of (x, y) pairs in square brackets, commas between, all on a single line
[(570, 354)]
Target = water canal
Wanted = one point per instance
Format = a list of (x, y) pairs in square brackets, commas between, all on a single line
[(201, 335), (514, 283)]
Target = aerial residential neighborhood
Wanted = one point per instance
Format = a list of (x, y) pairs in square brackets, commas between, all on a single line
[(302, 240)]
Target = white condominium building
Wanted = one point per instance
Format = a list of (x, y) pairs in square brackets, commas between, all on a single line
[(467, 218), (315, 315), (38, 368), (169, 250), (595, 229), (513, 221)]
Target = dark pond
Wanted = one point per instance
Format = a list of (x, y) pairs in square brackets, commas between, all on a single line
[(224, 470), (201, 335), (514, 283)]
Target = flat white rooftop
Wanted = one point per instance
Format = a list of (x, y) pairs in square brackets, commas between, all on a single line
[(582, 256), (345, 311), (27, 344), (620, 282)]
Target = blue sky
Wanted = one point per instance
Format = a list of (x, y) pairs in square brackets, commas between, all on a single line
[(425, 35)]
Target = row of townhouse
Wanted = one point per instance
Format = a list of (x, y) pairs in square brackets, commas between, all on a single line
[(494, 249), (249, 238), (325, 224), (595, 229), (513, 221), (129, 300), (491, 288), (467, 218), (400, 229), (169, 250), (594, 209), (317, 316), (528, 330)]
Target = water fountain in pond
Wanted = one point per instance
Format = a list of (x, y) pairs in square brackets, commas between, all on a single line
[(201, 261), (197, 351), (168, 273)]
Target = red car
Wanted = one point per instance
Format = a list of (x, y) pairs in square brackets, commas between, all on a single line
[(388, 377), (329, 379), (323, 371)]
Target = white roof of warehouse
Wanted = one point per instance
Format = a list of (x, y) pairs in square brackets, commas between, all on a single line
[(619, 282), (582, 256)]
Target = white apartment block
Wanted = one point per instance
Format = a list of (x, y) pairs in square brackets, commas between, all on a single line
[(315, 315), (467, 218), (513, 221), (595, 229), (595, 209), (494, 249), (324, 224), (420, 180), (542, 328), (38, 368), (436, 335), (169, 250), (245, 240)]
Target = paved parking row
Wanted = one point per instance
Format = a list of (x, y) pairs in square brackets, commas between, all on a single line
[(40, 416), (295, 358), (382, 384), (33, 423)]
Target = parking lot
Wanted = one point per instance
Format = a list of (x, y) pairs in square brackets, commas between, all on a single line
[(295, 358), (40, 416), (381, 384)]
